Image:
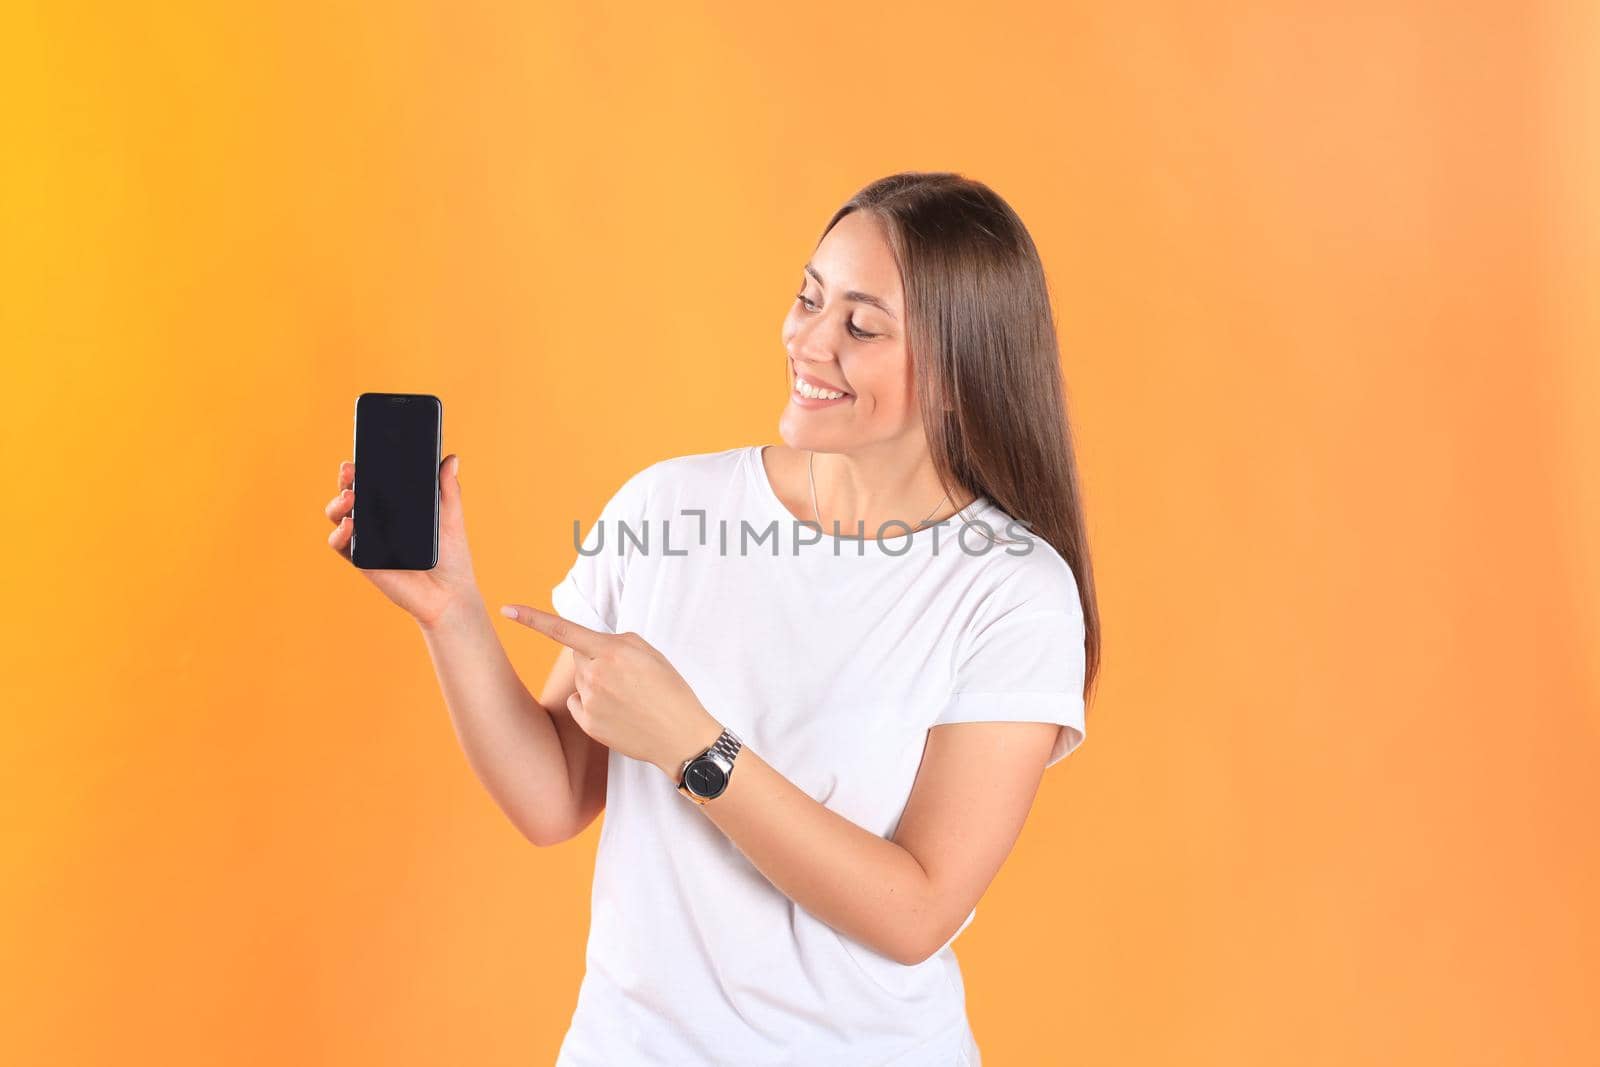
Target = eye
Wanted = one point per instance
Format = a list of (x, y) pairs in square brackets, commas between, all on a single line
[(854, 329)]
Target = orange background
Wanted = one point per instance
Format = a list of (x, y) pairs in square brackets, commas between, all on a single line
[(1326, 286)]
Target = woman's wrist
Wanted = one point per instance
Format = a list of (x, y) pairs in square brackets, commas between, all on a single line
[(454, 610), (694, 746)]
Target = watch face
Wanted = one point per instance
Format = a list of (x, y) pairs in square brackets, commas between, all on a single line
[(704, 778)]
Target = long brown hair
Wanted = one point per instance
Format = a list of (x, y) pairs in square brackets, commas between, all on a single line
[(982, 340)]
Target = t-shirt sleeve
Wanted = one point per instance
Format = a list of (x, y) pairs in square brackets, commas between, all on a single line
[(591, 592), (1026, 664)]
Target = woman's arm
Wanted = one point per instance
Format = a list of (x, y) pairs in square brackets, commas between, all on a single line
[(905, 896), (546, 774)]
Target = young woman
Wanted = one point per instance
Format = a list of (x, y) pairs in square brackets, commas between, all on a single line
[(813, 685)]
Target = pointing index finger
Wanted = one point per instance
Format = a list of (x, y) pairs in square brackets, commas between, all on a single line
[(574, 636)]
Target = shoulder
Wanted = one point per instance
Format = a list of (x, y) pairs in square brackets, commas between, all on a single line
[(695, 476), (1022, 572), (699, 464)]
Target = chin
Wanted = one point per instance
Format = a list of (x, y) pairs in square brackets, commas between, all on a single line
[(804, 435), (794, 432)]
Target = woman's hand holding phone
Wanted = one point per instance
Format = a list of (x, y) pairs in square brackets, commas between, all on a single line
[(425, 595)]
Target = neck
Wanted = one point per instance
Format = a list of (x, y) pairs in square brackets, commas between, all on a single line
[(880, 483)]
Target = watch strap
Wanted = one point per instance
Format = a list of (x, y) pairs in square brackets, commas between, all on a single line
[(727, 744)]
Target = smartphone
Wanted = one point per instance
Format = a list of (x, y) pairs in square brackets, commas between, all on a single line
[(396, 513)]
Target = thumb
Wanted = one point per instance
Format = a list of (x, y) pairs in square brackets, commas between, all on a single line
[(450, 484)]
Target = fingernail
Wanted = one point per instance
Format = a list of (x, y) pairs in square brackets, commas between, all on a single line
[(508, 611)]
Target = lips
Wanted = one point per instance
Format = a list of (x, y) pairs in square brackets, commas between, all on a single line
[(818, 383)]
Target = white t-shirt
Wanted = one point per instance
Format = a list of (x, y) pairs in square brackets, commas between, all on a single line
[(831, 657)]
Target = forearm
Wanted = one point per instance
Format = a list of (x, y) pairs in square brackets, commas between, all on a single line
[(865, 886), (509, 739)]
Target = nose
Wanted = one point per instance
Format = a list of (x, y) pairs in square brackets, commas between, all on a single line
[(808, 345)]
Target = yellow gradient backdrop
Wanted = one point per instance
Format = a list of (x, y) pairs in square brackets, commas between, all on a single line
[(1325, 275)]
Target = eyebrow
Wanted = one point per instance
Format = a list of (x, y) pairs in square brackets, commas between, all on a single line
[(856, 295)]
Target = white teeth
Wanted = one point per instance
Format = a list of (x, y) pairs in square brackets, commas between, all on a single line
[(805, 389)]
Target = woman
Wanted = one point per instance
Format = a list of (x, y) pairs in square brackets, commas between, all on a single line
[(814, 749)]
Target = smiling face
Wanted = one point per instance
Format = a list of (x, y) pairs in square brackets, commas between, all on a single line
[(846, 332)]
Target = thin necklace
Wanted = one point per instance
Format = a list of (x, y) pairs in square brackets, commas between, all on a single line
[(811, 473)]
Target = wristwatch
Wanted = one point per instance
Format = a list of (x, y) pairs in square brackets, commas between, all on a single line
[(705, 777)]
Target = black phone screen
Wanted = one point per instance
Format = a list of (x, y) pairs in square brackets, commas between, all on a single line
[(396, 513)]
